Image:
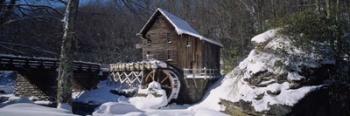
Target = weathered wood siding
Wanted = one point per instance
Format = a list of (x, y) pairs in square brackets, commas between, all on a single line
[(190, 52), (211, 56), (183, 51), (160, 41)]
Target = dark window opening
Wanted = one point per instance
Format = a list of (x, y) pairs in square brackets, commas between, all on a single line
[(149, 42), (161, 20), (188, 42), (148, 55), (169, 55), (148, 36), (168, 38)]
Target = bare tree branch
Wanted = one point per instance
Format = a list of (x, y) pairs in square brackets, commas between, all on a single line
[(62, 1), (6, 10), (35, 6), (26, 18), (30, 47)]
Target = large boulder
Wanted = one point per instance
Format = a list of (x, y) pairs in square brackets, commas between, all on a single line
[(274, 79)]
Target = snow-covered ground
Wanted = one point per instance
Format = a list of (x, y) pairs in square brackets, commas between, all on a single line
[(107, 109), (114, 105), (29, 109), (100, 95), (125, 109), (153, 102), (7, 99)]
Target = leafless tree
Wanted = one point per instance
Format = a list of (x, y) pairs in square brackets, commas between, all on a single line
[(65, 71)]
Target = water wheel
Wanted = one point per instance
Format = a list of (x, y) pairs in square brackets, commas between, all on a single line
[(168, 80)]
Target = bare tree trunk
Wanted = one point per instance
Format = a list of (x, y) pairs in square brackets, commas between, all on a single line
[(251, 8), (65, 71), (317, 5), (339, 42), (328, 9)]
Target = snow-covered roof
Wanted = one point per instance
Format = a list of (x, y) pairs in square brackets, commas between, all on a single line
[(181, 26)]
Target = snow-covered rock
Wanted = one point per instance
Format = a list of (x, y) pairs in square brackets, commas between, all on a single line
[(271, 80), (264, 37), (153, 97)]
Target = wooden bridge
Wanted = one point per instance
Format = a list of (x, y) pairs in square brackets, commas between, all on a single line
[(37, 76), (12, 62)]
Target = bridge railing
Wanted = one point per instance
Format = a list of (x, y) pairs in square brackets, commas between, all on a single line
[(13, 61), (201, 73)]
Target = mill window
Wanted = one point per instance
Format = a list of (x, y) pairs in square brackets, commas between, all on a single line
[(148, 55), (148, 36), (169, 55), (188, 42), (167, 36), (149, 42)]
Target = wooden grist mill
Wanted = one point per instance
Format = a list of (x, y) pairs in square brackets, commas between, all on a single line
[(174, 55)]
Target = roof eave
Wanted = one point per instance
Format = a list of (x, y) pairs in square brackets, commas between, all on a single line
[(141, 32), (205, 39)]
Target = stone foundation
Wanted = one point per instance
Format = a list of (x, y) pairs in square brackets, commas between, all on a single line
[(27, 89), (43, 84)]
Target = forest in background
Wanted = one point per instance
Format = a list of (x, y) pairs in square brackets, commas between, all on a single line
[(106, 29)]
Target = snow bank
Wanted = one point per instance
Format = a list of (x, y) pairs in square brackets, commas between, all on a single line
[(12, 99), (208, 112), (148, 103), (27, 109), (125, 109), (98, 96), (221, 89), (264, 37), (40, 102), (114, 108)]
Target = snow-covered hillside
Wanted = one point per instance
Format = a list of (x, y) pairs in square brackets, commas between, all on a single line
[(274, 77)]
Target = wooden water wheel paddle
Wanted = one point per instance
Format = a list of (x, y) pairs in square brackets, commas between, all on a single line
[(167, 79)]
